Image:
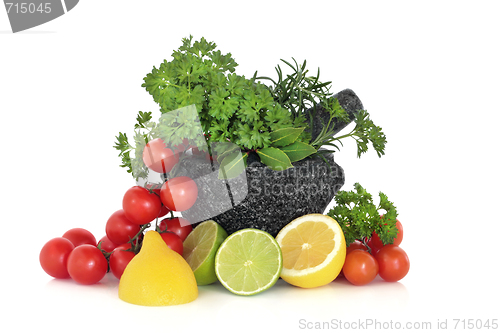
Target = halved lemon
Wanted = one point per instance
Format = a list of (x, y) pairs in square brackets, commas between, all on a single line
[(313, 248)]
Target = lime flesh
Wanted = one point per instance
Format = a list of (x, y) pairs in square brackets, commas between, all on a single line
[(248, 262), (200, 248)]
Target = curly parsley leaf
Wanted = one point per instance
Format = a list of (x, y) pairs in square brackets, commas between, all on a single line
[(201, 75), (124, 148), (359, 217), (142, 119)]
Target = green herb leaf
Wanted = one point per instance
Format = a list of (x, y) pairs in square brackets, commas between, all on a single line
[(124, 148), (298, 151), (285, 136), (359, 217), (142, 119), (232, 165), (274, 158), (222, 149), (364, 132)]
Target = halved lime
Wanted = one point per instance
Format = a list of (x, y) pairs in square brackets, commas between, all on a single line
[(248, 262), (200, 247)]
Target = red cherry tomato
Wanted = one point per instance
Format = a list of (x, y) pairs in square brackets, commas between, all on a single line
[(356, 245), (173, 241), (378, 243), (79, 236), (119, 259), (54, 257), (179, 193), (393, 263), (178, 225), (140, 205), (373, 248), (87, 264), (119, 229), (163, 210), (158, 157), (360, 267), (106, 245)]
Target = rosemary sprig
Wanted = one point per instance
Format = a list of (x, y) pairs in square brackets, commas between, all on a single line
[(303, 95), (298, 92)]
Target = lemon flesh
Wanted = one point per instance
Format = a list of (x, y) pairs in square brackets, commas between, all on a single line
[(200, 248), (314, 250), (157, 276)]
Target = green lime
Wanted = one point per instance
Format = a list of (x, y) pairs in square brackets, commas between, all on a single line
[(248, 262), (200, 247)]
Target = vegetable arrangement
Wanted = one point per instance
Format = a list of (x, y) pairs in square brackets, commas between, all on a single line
[(234, 114), (372, 240)]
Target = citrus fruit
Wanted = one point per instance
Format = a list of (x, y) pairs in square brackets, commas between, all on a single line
[(314, 250), (248, 262), (157, 276), (200, 248)]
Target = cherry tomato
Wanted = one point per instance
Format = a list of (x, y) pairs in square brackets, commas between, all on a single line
[(393, 263), (119, 229), (378, 243), (140, 205), (119, 259), (356, 245), (158, 157), (373, 248), (178, 225), (163, 210), (173, 241), (87, 264), (360, 267), (106, 245), (79, 236), (54, 257), (179, 193)]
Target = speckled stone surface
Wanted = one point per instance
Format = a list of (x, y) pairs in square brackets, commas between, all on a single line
[(261, 198)]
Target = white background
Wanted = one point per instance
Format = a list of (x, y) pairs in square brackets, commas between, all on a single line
[(427, 71)]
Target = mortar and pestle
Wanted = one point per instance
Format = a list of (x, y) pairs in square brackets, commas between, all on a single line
[(265, 199)]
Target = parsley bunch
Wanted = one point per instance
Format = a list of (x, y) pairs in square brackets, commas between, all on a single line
[(231, 107), (359, 217)]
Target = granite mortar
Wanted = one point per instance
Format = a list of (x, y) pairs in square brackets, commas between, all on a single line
[(265, 199)]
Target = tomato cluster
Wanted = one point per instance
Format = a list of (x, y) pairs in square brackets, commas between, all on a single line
[(74, 255), (368, 258), (78, 255)]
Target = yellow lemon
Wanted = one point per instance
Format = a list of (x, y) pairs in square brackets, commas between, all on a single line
[(157, 276), (314, 250)]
